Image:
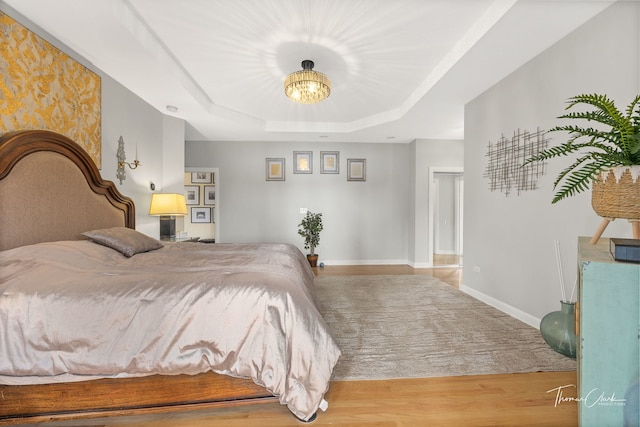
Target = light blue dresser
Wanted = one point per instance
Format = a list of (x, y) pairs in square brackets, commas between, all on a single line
[(609, 337)]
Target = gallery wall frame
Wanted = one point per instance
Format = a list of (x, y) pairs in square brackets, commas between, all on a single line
[(275, 169), (201, 177), (330, 162), (356, 169), (192, 194), (302, 162), (209, 196), (201, 215)]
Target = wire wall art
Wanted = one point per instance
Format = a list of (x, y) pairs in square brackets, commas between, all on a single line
[(505, 167)]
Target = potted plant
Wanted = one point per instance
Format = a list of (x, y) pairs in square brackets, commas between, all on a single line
[(310, 228), (608, 156)]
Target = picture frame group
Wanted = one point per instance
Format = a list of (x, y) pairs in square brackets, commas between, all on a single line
[(200, 197), (303, 164)]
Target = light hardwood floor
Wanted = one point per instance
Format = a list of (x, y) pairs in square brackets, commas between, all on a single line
[(484, 400), (450, 275)]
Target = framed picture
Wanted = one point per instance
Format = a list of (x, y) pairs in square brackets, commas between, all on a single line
[(275, 169), (201, 177), (200, 214), (329, 162), (302, 162), (192, 194), (209, 195), (356, 169)]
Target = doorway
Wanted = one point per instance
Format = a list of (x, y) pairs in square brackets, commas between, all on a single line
[(446, 198)]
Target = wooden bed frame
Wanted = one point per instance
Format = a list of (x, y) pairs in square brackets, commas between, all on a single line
[(44, 179)]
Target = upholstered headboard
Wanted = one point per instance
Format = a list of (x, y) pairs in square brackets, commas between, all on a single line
[(51, 190)]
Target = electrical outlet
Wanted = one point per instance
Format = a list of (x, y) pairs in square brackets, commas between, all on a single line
[(303, 210), (476, 269)]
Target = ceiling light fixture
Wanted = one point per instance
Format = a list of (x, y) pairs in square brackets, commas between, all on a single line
[(307, 86)]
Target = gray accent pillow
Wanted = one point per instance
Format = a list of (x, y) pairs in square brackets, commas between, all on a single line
[(124, 240)]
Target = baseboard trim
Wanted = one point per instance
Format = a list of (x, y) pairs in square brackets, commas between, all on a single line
[(366, 262), (505, 308), (420, 265), (387, 262)]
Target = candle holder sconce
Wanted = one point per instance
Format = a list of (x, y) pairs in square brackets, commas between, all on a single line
[(120, 154)]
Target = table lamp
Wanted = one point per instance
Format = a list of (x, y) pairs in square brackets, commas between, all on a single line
[(167, 206)]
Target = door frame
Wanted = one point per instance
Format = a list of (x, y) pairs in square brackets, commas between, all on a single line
[(432, 190)]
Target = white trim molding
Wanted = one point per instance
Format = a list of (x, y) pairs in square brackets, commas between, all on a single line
[(505, 308)]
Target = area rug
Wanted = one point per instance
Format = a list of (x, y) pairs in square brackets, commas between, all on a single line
[(408, 326)]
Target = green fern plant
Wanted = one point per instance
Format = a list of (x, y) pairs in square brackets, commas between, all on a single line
[(615, 143)]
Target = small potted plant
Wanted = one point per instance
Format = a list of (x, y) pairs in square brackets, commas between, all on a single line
[(608, 156), (310, 228)]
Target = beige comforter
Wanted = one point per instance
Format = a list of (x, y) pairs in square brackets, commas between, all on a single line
[(74, 310)]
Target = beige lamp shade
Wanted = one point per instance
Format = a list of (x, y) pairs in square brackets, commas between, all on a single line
[(168, 204)]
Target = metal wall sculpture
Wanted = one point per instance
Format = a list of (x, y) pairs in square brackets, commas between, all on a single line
[(505, 167)]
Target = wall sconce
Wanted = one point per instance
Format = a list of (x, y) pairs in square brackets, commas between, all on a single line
[(120, 173)]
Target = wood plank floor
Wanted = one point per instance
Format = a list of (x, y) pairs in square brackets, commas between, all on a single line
[(450, 275), (479, 400)]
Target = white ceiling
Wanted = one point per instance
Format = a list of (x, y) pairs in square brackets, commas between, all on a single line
[(401, 69)]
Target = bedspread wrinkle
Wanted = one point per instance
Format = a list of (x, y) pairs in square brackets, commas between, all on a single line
[(74, 310)]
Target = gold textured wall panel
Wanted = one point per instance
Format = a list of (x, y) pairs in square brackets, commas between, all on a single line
[(43, 88)]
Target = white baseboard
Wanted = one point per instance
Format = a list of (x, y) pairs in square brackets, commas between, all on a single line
[(421, 265), (505, 308), (445, 252), (381, 262), (385, 262), (366, 262)]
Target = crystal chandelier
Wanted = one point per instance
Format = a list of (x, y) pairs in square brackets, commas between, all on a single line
[(307, 86)]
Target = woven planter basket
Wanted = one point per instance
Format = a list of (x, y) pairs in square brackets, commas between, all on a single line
[(616, 193)]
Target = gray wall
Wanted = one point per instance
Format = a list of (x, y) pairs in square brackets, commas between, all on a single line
[(509, 241), (370, 222), (158, 140), (141, 126), (363, 221), (428, 154)]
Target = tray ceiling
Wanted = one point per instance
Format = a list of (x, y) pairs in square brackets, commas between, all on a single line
[(400, 69)]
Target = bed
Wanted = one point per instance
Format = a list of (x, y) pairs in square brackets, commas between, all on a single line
[(97, 319)]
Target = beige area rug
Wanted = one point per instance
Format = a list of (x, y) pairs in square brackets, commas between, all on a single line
[(417, 327)]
